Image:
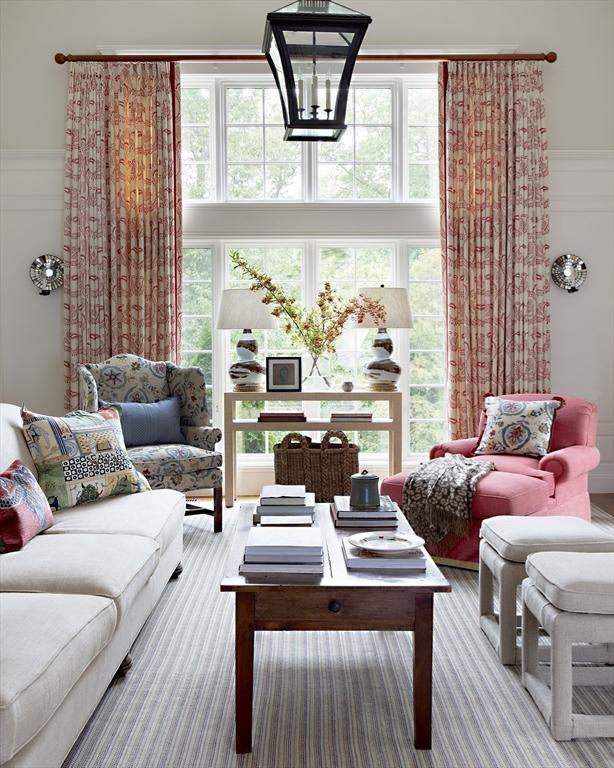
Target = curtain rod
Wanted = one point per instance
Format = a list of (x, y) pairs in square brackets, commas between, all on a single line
[(551, 57)]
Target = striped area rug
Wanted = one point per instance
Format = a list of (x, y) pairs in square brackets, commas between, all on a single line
[(321, 700)]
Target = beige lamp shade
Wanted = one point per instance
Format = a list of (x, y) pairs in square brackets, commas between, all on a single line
[(396, 303), (242, 308)]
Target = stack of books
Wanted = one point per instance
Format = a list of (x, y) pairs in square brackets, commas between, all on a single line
[(279, 551), (281, 416), (360, 559), (345, 516), (285, 505), (352, 416)]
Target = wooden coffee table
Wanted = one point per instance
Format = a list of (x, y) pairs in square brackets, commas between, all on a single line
[(338, 600)]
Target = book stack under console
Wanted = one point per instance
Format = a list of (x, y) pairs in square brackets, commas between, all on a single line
[(283, 551), (285, 505), (382, 517)]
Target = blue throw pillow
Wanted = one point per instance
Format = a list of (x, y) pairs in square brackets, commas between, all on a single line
[(150, 423)]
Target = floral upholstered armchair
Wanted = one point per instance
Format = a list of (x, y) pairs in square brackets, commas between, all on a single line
[(185, 467)]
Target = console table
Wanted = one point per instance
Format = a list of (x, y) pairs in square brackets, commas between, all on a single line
[(392, 424)]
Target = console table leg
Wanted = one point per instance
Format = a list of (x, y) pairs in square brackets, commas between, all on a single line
[(244, 669), (229, 455), (423, 670), (395, 436)]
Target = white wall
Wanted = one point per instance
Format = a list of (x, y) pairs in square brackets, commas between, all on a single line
[(580, 110)]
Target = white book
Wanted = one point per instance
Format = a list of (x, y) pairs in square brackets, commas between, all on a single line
[(308, 508), (279, 540), (284, 520), (387, 508), (364, 523), (283, 559), (247, 569), (360, 559), (279, 495)]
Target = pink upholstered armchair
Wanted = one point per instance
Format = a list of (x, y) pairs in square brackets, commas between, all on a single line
[(556, 484)]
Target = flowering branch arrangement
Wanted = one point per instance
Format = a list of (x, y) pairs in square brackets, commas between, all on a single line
[(316, 329)]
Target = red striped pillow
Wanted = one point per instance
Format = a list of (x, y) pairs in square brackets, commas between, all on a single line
[(24, 509)]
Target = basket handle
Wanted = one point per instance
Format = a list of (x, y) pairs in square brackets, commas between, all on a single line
[(332, 433), (295, 437)]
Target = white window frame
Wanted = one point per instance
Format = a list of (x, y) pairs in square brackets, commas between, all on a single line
[(217, 223), (398, 84)]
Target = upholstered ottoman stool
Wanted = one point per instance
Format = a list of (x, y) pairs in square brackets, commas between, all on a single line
[(571, 596), (506, 543)]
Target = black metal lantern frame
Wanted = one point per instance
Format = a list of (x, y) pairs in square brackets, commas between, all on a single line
[(301, 119)]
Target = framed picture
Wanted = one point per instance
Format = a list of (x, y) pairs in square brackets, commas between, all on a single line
[(283, 374)]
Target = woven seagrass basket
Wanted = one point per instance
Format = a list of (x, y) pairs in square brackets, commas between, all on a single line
[(323, 468)]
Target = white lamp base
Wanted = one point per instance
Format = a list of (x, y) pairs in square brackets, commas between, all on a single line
[(382, 373), (247, 373)]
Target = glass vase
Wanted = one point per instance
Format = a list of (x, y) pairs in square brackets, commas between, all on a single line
[(317, 374)]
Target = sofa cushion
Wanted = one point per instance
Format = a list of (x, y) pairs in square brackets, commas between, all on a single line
[(580, 582), (90, 564), (24, 509), (173, 458), (47, 642), (12, 442), (499, 493), (80, 457), (156, 514), (515, 538), (520, 465)]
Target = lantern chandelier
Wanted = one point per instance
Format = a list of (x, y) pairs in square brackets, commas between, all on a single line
[(311, 47)]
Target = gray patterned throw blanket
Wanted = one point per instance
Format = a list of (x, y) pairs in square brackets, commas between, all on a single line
[(437, 496)]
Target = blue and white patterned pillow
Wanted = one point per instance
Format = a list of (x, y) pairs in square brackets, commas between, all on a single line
[(518, 427)]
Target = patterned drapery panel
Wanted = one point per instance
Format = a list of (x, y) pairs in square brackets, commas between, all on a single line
[(494, 225), (122, 214)]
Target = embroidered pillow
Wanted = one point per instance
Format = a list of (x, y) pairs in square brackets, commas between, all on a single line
[(24, 510), (517, 427), (80, 457)]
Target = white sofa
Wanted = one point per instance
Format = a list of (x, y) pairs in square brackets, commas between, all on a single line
[(72, 602)]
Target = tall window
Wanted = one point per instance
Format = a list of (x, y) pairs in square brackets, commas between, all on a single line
[(285, 264), (197, 332), (387, 155), (196, 143), (426, 356), (260, 164), (359, 165), (422, 174)]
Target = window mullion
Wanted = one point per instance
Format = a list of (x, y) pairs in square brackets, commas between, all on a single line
[(219, 338), (221, 154), (402, 356)]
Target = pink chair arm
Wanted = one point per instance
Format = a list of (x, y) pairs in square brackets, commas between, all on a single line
[(567, 463), (466, 446)]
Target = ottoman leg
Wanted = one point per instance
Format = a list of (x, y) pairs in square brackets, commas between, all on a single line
[(485, 580), (561, 685), (530, 643), (508, 585)]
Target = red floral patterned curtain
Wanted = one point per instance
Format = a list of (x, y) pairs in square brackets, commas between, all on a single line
[(494, 225), (122, 226)]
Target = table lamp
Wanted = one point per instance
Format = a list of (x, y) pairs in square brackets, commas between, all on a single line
[(383, 372), (243, 308)]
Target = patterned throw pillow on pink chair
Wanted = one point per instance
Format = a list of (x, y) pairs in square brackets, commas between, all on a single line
[(24, 509), (517, 427)]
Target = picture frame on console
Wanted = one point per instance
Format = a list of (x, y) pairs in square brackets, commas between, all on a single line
[(283, 374)]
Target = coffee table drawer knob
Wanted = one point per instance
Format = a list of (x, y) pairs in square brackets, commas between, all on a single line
[(334, 606)]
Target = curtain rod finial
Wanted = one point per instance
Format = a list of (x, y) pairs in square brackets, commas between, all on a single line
[(551, 57), (60, 58)]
